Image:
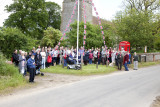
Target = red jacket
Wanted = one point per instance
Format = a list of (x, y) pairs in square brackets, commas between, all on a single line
[(126, 58), (49, 59)]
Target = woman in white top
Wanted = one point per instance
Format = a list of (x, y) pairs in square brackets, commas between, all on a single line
[(22, 63), (43, 54)]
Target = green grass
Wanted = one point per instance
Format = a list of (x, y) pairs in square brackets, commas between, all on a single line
[(91, 69), (86, 70), (9, 75)]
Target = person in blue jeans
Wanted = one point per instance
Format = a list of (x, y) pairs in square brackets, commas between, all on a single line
[(126, 59)]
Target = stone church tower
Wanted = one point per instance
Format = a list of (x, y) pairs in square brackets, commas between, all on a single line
[(68, 6)]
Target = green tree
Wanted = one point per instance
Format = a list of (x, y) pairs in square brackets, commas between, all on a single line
[(14, 39), (51, 37), (93, 37), (135, 27), (30, 16), (54, 13)]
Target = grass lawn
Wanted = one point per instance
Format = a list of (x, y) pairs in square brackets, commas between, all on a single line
[(91, 69), (86, 70)]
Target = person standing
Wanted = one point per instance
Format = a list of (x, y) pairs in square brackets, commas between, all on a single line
[(15, 58), (126, 58), (43, 54), (104, 56), (38, 60), (49, 60), (90, 56), (32, 68), (99, 56), (135, 59), (120, 60), (22, 63), (95, 55)]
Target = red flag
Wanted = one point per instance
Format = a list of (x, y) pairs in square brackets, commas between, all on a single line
[(85, 37), (84, 42), (84, 31), (61, 38), (95, 8), (103, 37), (74, 7), (92, 4), (101, 27), (100, 22), (71, 16), (104, 42), (85, 26), (59, 43), (102, 32), (96, 13)]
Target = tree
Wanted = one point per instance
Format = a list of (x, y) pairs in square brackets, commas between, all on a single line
[(93, 37), (54, 13), (14, 39), (143, 5), (135, 27), (51, 37), (30, 16)]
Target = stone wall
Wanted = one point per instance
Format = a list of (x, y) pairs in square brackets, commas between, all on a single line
[(149, 57), (67, 10)]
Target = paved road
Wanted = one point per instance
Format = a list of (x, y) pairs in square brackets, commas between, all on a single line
[(124, 89)]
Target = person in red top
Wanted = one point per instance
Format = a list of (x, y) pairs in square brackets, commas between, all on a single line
[(110, 55), (126, 59), (49, 60), (99, 56), (90, 56)]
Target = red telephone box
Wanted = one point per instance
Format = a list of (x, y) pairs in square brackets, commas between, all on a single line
[(124, 45)]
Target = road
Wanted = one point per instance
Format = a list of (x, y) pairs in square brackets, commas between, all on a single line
[(122, 89)]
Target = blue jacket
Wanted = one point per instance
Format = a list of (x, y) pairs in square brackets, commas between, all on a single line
[(30, 63)]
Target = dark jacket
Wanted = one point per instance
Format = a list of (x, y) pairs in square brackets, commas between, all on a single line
[(86, 56), (38, 59), (135, 58), (30, 63), (120, 58), (15, 58), (99, 57)]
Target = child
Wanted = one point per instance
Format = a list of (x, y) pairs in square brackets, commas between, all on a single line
[(49, 60)]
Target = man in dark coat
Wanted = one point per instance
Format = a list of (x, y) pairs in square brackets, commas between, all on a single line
[(119, 60), (86, 57), (15, 58)]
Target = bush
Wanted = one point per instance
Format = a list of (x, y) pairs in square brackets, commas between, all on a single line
[(12, 38)]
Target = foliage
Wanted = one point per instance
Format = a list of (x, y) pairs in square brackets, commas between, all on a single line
[(51, 37), (93, 37), (9, 75), (29, 16), (135, 28), (54, 13), (86, 70), (12, 39)]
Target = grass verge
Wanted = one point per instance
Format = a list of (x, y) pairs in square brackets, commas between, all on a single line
[(91, 69), (86, 70), (9, 75)]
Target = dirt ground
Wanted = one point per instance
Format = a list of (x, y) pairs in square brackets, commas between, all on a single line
[(156, 103), (49, 80)]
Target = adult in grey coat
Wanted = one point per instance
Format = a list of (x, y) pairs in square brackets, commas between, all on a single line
[(135, 61)]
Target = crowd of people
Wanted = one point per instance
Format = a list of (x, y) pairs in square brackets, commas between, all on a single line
[(42, 58)]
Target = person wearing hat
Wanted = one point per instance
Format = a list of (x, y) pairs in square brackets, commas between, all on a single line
[(32, 68)]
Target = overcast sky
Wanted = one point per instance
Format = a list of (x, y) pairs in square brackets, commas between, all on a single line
[(106, 8)]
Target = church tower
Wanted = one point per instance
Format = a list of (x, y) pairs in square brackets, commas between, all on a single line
[(67, 9)]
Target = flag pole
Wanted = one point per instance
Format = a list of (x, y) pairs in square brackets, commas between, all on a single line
[(78, 31)]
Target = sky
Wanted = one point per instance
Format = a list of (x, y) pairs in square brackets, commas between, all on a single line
[(107, 9)]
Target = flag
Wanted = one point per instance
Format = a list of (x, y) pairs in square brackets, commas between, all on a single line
[(103, 37), (61, 38), (84, 36), (102, 32), (101, 27), (85, 26), (84, 31), (95, 8)]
